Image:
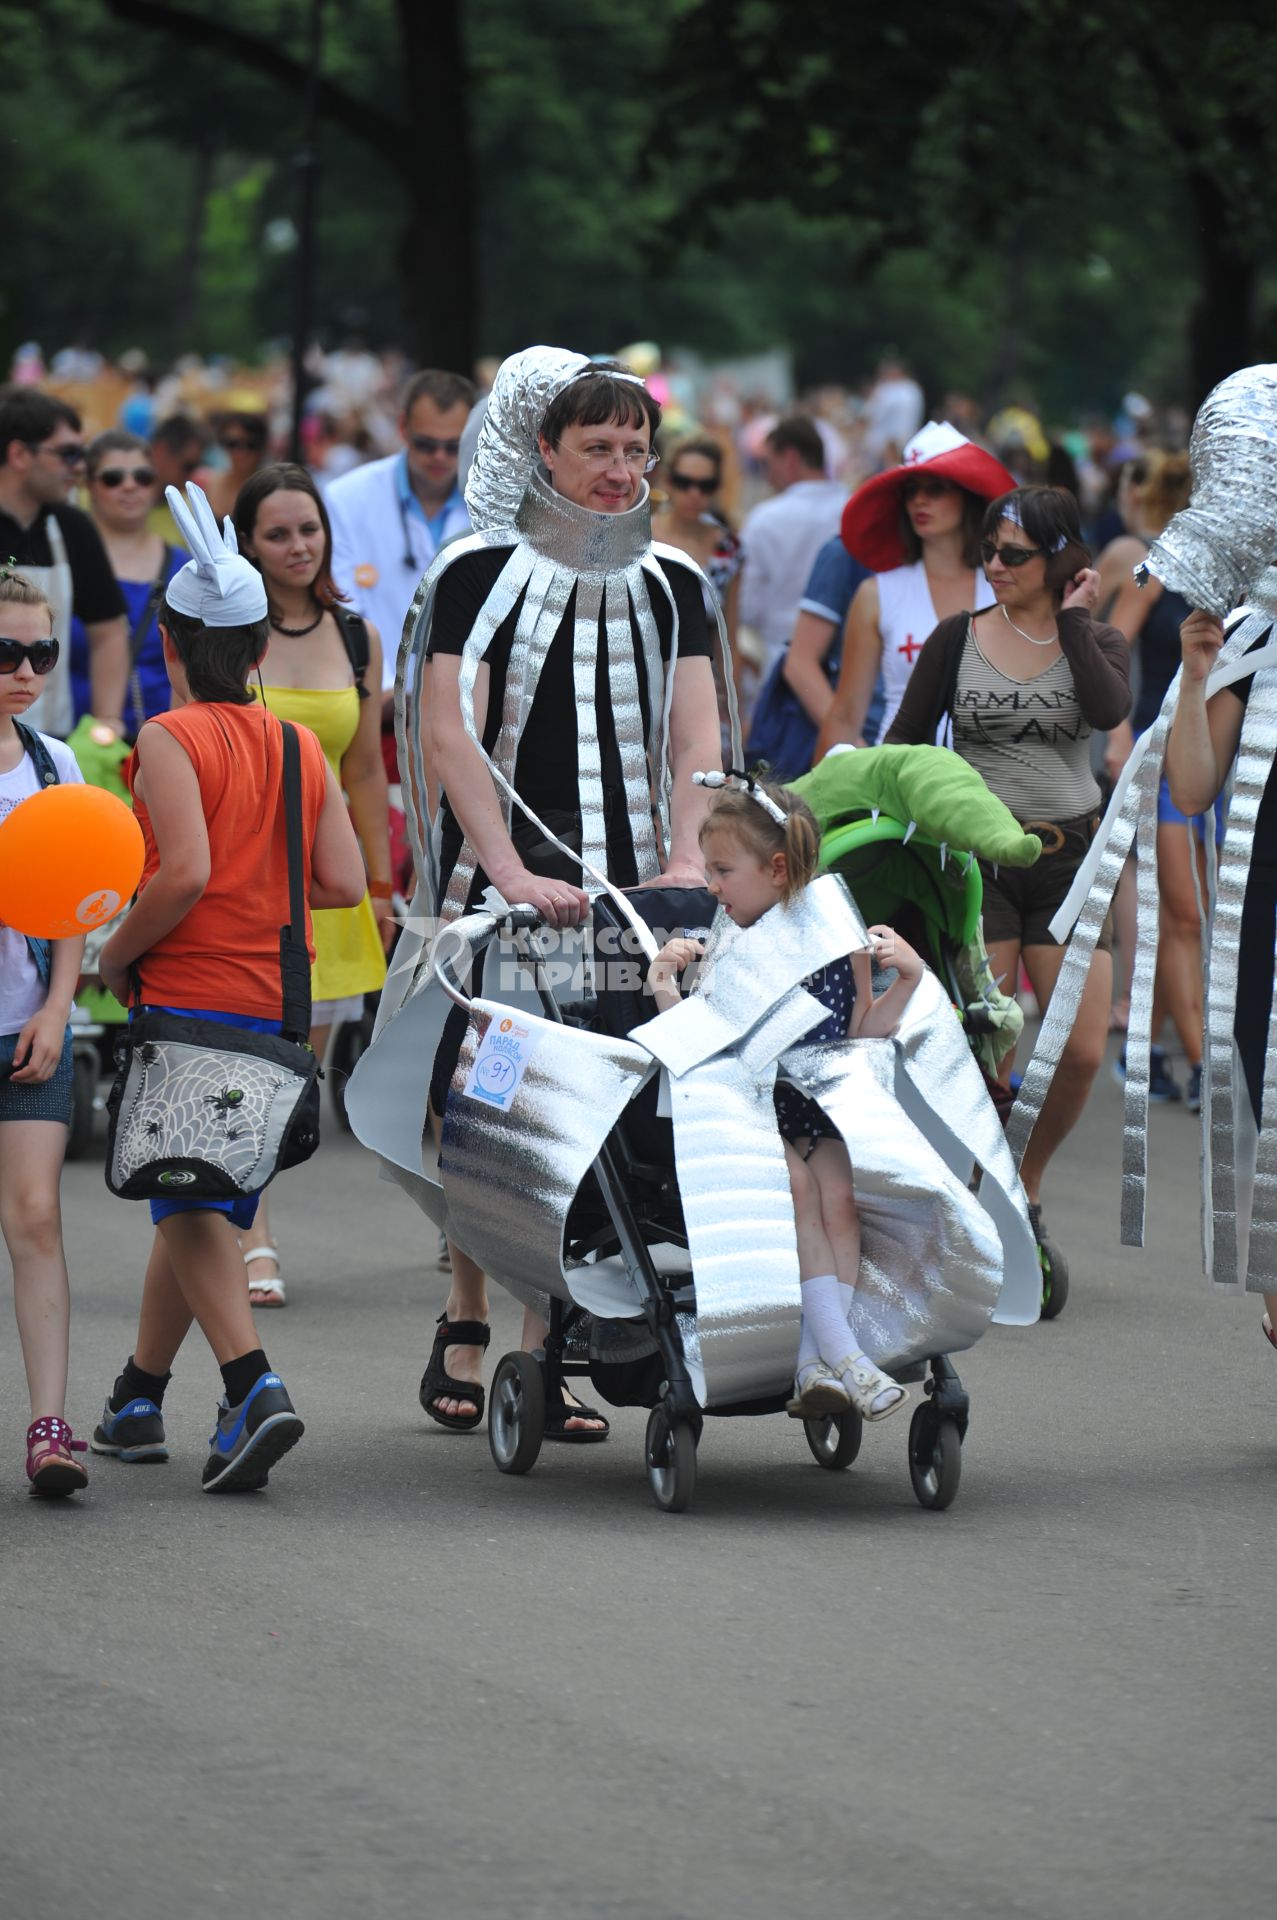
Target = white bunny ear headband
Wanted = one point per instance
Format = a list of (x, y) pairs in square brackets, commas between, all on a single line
[(743, 783), (217, 586)]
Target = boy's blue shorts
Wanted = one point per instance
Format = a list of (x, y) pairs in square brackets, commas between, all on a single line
[(242, 1212)]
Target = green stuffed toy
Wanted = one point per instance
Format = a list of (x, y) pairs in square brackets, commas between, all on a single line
[(929, 785)]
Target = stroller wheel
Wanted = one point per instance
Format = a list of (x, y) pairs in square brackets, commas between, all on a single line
[(516, 1413), (1055, 1279), (835, 1440), (670, 1452), (935, 1458)]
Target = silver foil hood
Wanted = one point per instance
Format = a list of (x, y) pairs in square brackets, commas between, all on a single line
[(1218, 549), (507, 452)]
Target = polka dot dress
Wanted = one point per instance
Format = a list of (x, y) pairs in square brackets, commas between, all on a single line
[(798, 1117)]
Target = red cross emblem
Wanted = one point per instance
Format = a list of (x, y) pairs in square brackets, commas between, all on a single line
[(909, 647)]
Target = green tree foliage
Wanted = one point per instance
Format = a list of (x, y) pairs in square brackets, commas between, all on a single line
[(1021, 195)]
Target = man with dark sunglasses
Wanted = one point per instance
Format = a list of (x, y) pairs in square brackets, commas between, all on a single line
[(391, 517), (58, 548)]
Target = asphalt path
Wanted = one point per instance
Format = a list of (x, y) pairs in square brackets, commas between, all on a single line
[(400, 1683)]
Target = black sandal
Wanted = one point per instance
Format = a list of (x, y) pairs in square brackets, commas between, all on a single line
[(556, 1424), (438, 1384)]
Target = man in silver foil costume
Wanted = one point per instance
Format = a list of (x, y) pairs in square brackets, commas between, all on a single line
[(566, 657), (1220, 715)]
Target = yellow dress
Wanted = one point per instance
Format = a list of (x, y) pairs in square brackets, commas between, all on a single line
[(348, 954)]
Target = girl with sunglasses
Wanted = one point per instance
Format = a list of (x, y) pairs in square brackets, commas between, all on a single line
[(37, 981), (1023, 685), (917, 527), (123, 491)]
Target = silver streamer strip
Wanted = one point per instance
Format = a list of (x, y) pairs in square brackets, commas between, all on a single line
[(589, 765), (942, 1090), (642, 763), (1240, 1198), (930, 1260), (1261, 1248), (498, 607), (520, 685), (1139, 1032), (739, 1213), (409, 743)]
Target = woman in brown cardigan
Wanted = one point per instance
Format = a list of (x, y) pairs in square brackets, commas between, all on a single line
[(1023, 685)]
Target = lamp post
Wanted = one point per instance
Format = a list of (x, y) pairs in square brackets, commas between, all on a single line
[(307, 164)]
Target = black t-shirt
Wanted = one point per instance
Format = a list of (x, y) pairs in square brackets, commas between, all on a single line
[(546, 765), (1259, 919), (95, 591)]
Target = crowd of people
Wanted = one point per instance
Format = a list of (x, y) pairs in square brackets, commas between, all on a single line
[(891, 579)]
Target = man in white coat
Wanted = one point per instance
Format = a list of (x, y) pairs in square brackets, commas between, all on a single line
[(391, 517)]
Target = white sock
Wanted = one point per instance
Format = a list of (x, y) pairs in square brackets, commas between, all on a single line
[(808, 1351), (823, 1315)]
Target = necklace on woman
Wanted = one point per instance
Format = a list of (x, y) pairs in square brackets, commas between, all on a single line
[(296, 633), (1048, 642)]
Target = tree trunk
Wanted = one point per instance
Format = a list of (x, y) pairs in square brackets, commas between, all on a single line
[(438, 263), (186, 319), (1221, 333)]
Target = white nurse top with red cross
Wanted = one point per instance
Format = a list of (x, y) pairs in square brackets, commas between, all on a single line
[(906, 619)]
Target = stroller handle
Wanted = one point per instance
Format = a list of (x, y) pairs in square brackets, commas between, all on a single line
[(521, 918)]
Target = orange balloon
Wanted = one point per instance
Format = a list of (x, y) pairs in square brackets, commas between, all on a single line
[(70, 859)]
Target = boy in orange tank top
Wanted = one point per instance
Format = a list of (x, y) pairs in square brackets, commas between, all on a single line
[(203, 938)]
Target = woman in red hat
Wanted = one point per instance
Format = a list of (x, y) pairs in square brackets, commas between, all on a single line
[(918, 527)]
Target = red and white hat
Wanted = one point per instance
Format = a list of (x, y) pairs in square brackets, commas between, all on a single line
[(871, 518)]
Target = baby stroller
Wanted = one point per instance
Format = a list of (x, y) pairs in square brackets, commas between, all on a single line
[(624, 1174)]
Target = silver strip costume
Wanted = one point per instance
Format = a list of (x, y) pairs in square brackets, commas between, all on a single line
[(1217, 552)]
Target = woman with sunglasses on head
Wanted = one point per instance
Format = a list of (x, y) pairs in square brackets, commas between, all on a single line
[(918, 527), (37, 982), (123, 489), (1023, 685), (322, 670)]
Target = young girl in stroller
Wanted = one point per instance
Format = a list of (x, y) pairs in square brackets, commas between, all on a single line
[(762, 845)]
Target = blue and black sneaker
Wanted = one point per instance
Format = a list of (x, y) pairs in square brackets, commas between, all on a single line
[(135, 1433), (250, 1438)]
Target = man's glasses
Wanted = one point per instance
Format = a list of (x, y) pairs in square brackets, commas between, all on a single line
[(70, 452), (43, 655), (237, 445), (930, 489), (687, 483), (600, 459), (427, 444), (1008, 556), (116, 476)]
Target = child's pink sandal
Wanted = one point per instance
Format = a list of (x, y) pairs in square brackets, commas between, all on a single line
[(50, 1467)]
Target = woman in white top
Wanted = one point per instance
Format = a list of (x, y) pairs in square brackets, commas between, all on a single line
[(918, 526)]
